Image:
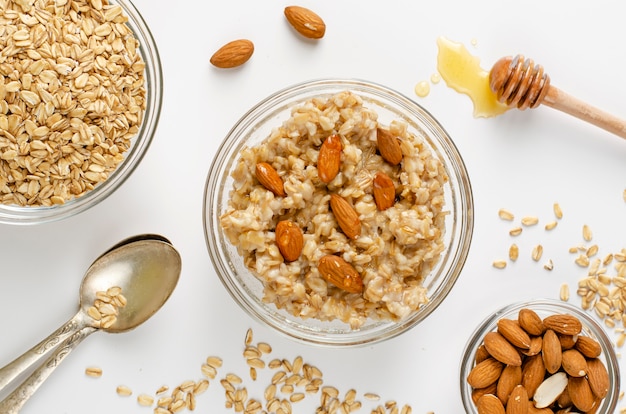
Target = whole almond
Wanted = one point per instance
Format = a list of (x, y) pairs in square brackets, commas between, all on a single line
[(510, 378), (598, 377), (384, 191), (518, 402), (501, 349), (388, 146), (346, 216), (289, 240), (485, 373), (329, 158), (551, 351), (306, 22), (580, 393), (533, 373), (233, 54), (489, 404), (563, 324), (530, 322), (269, 178), (340, 273), (588, 346), (574, 363), (514, 333)]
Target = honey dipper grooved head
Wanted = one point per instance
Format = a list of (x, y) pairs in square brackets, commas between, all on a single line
[(519, 82)]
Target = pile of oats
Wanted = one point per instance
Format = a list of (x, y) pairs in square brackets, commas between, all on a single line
[(72, 97)]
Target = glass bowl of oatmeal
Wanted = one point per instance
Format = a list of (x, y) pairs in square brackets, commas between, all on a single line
[(73, 128), (584, 341), (338, 212)]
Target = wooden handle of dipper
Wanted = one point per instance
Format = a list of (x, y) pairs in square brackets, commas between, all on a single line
[(519, 82)]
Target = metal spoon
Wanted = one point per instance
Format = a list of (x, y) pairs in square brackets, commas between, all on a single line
[(146, 267)]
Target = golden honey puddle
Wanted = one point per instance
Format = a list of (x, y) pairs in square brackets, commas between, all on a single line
[(462, 72)]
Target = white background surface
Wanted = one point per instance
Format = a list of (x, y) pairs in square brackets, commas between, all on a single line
[(523, 161)]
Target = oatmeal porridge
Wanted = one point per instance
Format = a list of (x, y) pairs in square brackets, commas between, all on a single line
[(380, 216)]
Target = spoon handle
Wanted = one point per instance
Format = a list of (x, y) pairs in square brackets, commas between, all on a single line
[(16, 400), (29, 358)]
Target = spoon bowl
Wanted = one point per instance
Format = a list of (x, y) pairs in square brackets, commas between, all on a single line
[(146, 269)]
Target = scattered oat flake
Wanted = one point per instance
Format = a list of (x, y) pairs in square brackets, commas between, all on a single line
[(549, 265), (371, 396), (145, 400), (558, 213), (582, 260), (587, 235), (513, 252), (94, 372), (516, 231), (505, 214), (530, 220), (551, 225), (499, 264), (537, 252), (123, 391), (564, 292)]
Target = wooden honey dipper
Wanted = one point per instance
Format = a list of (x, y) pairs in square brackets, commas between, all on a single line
[(519, 82)]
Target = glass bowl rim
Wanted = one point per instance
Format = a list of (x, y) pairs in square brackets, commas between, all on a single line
[(305, 90)]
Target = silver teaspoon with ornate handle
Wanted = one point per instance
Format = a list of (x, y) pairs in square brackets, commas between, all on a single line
[(145, 268)]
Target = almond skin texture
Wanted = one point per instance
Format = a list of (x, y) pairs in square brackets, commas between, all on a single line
[(501, 349), (269, 178), (514, 333), (535, 346), (340, 273), (489, 404), (485, 374), (563, 324), (384, 191), (518, 402), (530, 322), (589, 347), (346, 216), (306, 22), (574, 363), (388, 146), (533, 373), (533, 410), (481, 354), (581, 394), (598, 377), (551, 352), (329, 158), (233, 54), (567, 341), (477, 393), (289, 240), (510, 378)]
